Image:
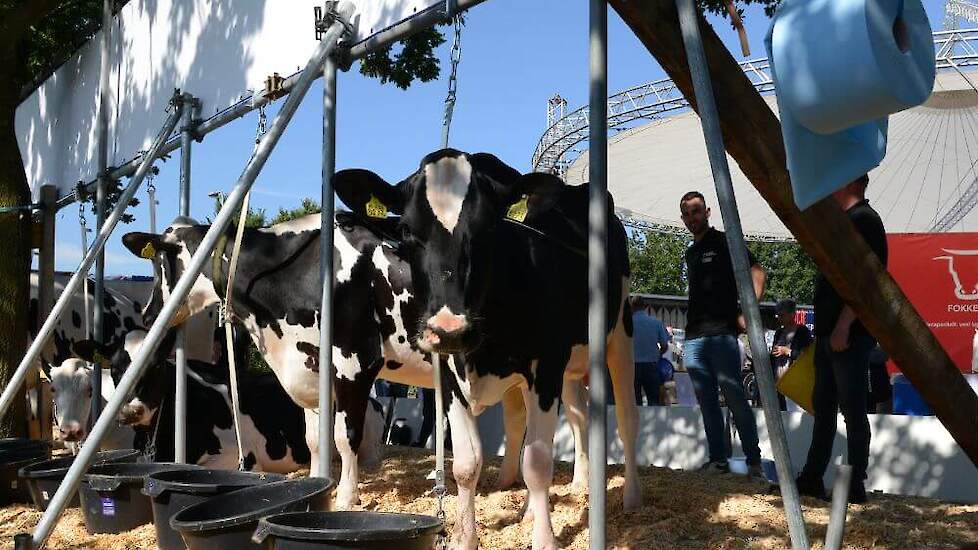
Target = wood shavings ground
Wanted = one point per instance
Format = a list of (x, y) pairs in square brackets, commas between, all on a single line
[(683, 510)]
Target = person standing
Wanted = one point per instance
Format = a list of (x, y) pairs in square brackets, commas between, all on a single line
[(710, 353), (789, 341), (842, 355), (651, 342)]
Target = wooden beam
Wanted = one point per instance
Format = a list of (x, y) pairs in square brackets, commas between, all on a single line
[(752, 136)]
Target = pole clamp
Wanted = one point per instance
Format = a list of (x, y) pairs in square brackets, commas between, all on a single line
[(327, 15), (451, 9)]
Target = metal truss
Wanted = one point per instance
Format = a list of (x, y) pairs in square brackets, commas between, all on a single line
[(565, 139)]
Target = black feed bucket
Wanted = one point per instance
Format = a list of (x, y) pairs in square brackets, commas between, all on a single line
[(14, 455), (227, 522), (43, 478), (346, 530), (111, 500), (175, 490)]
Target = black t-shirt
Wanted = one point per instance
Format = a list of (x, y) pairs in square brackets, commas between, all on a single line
[(713, 304), (796, 339), (828, 303)]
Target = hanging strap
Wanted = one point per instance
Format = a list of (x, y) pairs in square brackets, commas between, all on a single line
[(229, 330)]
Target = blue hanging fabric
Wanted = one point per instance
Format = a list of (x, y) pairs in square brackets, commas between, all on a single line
[(840, 68)]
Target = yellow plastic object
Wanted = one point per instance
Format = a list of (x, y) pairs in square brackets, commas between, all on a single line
[(798, 382)]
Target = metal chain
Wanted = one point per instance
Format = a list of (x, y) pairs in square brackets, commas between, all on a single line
[(456, 57), (262, 121), (440, 490), (151, 192)]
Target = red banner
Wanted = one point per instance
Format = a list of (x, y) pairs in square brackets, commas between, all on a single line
[(939, 273)]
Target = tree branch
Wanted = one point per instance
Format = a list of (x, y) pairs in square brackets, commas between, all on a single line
[(18, 21)]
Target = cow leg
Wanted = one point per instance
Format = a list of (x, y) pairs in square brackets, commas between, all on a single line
[(621, 364), (575, 409), (466, 467), (312, 438), (514, 421), (538, 468)]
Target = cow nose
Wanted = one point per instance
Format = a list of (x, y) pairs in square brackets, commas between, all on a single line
[(447, 322), (72, 432), (446, 332), (130, 414)]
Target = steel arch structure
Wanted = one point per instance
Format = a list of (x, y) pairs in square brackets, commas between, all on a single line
[(563, 141)]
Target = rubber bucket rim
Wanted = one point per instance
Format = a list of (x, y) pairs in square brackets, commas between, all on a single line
[(32, 471), (155, 487), (271, 525)]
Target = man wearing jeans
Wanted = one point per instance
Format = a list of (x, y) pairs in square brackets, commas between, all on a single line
[(711, 354), (842, 352)]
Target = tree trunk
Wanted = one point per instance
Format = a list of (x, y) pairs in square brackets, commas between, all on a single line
[(752, 136), (16, 256)]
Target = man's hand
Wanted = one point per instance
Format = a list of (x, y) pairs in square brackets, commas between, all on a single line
[(839, 340), (781, 351), (742, 323)]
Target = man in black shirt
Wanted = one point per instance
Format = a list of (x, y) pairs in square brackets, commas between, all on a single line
[(843, 347), (710, 353)]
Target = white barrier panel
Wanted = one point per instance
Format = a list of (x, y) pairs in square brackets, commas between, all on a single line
[(217, 50)]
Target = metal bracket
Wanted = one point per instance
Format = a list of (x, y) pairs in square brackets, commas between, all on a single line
[(451, 9), (273, 87), (322, 24)]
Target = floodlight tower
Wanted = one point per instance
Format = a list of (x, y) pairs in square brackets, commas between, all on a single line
[(953, 9)]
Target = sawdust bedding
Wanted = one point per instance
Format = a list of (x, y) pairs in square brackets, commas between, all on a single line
[(683, 510)]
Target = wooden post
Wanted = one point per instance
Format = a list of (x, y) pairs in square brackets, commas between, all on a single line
[(752, 136), (41, 417)]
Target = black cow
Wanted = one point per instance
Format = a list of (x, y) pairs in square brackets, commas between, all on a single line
[(501, 280)]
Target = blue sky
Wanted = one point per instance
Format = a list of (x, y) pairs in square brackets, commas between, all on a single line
[(516, 54)]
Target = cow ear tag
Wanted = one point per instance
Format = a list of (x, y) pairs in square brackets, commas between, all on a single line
[(375, 208), (517, 211), (148, 252)]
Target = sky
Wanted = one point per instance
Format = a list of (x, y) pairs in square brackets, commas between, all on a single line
[(515, 55)]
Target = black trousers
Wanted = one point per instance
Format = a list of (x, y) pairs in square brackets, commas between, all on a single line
[(647, 380), (841, 383)]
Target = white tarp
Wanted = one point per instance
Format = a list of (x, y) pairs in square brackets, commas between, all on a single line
[(217, 50)]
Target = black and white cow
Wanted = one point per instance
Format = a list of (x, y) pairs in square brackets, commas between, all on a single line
[(276, 296), (272, 426), (511, 299)]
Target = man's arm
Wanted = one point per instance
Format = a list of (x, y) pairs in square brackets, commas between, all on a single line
[(839, 339), (759, 277)]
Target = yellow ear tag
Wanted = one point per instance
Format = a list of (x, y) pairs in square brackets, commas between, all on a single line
[(518, 210), (148, 251), (375, 208)]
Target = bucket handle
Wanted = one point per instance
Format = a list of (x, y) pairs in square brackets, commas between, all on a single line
[(104, 483), (261, 532), (152, 489)]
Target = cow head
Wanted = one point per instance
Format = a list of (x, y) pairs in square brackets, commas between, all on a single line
[(71, 386), (170, 253), (148, 393), (451, 211)]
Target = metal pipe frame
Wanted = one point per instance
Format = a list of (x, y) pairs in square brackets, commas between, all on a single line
[(840, 505), (102, 135), (200, 257), (190, 105), (78, 278), (700, 72), (598, 275), (326, 271)]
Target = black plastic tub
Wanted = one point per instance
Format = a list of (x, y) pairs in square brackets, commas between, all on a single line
[(175, 490), (228, 521), (111, 497), (43, 478), (346, 530), (14, 455)]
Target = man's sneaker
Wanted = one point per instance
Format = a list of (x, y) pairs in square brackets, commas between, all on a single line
[(811, 488), (715, 467), (857, 492), (755, 472)]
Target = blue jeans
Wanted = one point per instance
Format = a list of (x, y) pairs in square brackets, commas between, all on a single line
[(713, 363)]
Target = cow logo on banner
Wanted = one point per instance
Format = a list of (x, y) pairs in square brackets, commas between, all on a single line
[(939, 274)]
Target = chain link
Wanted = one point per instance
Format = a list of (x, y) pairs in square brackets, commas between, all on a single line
[(262, 121), (456, 57)]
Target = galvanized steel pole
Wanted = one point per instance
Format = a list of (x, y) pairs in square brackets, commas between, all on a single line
[(80, 274), (180, 386), (700, 72), (182, 288), (326, 270), (102, 135), (598, 274)]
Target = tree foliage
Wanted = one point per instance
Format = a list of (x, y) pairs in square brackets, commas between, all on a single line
[(308, 206), (790, 272)]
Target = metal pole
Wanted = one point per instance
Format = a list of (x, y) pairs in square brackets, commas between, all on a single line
[(700, 72), (182, 288), (180, 386), (598, 274), (326, 271), (840, 505), (45, 288), (80, 274), (102, 133)]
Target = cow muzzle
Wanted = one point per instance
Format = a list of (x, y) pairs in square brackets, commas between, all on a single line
[(131, 414), (447, 332), (73, 431)]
